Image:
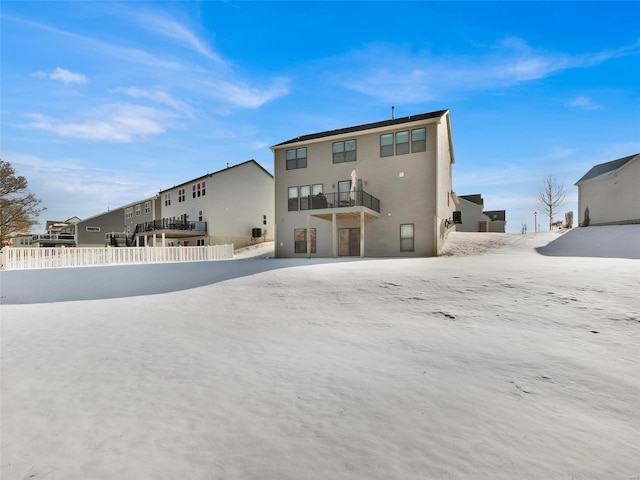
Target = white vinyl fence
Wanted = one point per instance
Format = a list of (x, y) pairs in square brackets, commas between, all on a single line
[(23, 258)]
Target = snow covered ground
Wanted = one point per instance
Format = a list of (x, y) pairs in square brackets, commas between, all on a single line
[(512, 356)]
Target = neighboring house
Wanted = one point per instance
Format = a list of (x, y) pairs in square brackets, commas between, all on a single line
[(379, 189), (101, 230), (475, 219), (59, 234), (609, 193), (233, 205)]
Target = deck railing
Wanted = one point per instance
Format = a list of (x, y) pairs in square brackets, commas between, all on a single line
[(26, 258), (356, 198)]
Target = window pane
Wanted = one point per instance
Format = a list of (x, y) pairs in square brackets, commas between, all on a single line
[(293, 192), (338, 147), (350, 156), (402, 137), (301, 152), (305, 191), (291, 164), (402, 148), (302, 162), (386, 139), (317, 189), (350, 145), (418, 134), (386, 150), (406, 230), (291, 154), (338, 157)]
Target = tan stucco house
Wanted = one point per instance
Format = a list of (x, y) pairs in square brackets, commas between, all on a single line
[(379, 189), (609, 193)]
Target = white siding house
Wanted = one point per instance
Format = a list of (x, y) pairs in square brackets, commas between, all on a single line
[(609, 193)]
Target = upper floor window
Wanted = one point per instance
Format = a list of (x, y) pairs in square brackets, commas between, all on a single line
[(147, 207), (344, 151), (138, 210), (418, 140), (297, 158), (181, 195), (198, 190), (386, 145), (128, 212), (167, 199), (402, 142)]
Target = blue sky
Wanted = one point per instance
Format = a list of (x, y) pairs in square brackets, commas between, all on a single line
[(105, 104)]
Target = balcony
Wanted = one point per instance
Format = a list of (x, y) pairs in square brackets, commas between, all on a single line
[(342, 203), (178, 227), (53, 239)]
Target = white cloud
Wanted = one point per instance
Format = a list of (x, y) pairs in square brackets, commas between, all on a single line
[(169, 28), (243, 95), (62, 75), (67, 77), (158, 96), (114, 123), (409, 76), (583, 102)]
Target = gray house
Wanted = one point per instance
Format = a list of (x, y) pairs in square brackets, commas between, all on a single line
[(378, 189), (473, 217), (609, 193)]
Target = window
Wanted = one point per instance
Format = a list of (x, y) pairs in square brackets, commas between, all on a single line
[(386, 145), (406, 237), (402, 142), (198, 190), (167, 199), (200, 217), (128, 212), (200, 242), (418, 140), (300, 240), (264, 219), (297, 158), (316, 189), (147, 207), (138, 210), (344, 151), (293, 198), (181, 195), (92, 229), (305, 194)]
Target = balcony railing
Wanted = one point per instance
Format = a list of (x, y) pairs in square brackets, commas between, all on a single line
[(53, 237), (166, 224), (357, 198)]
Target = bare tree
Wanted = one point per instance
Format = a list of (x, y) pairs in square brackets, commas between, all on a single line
[(18, 208), (550, 197)]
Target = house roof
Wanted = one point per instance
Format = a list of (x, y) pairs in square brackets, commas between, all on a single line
[(215, 173), (366, 126), (476, 198), (608, 168)]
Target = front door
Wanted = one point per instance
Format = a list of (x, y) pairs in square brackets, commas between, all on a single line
[(349, 242)]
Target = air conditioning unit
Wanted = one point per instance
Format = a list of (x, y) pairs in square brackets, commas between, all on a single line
[(256, 232)]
